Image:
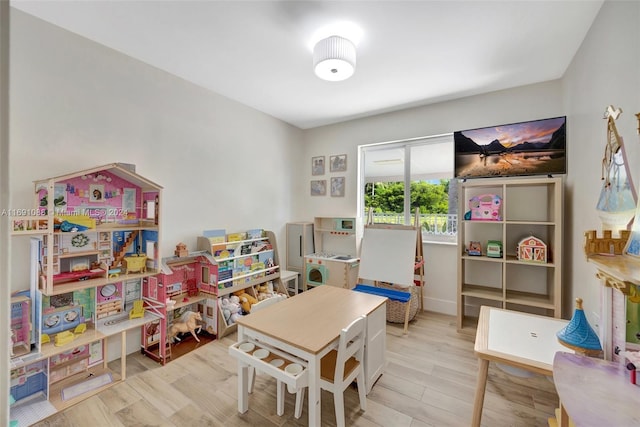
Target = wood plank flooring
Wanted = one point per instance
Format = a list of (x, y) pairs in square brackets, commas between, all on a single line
[(429, 380)]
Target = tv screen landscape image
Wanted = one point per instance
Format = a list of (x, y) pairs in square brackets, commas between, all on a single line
[(535, 147)]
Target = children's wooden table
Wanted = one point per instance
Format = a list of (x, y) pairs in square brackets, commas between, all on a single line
[(308, 326), (522, 340), (594, 392)]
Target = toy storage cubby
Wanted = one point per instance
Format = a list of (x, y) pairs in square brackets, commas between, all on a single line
[(82, 229), (244, 260), (528, 207), (185, 283)]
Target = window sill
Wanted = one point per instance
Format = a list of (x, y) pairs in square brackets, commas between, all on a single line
[(439, 240)]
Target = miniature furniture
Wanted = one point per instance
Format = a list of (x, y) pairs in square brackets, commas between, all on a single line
[(135, 264), (517, 339), (290, 276), (308, 327), (339, 368), (530, 283), (138, 309), (181, 250), (594, 392), (63, 338)]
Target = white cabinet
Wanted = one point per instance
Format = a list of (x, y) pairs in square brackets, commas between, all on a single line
[(299, 243), (527, 207), (375, 345)]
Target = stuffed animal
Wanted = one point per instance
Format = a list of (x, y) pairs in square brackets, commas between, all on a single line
[(263, 291), (246, 300), (225, 305), (234, 308)]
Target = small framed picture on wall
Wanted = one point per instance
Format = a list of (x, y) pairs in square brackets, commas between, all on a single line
[(317, 165), (319, 187), (338, 163), (337, 186)]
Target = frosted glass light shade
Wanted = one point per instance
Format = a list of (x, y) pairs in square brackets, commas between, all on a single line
[(334, 58)]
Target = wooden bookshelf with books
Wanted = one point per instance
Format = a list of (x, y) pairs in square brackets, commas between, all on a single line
[(245, 260)]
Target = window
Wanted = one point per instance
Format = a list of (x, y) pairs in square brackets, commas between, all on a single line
[(398, 177)]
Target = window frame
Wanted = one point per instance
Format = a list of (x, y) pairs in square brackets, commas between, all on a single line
[(406, 145)]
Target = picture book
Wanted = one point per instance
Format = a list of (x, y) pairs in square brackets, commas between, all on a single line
[(223, 253), (245, 249), (257, 266), (261, 246), (265, 256), (215, 236), (255, 233), (236, 237)]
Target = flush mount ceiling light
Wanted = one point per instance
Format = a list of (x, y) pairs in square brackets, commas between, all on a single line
[(334, 58)]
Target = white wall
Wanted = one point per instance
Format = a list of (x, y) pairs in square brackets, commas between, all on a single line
[(524, 103), (76, 104), (605, 71), (5, 241)]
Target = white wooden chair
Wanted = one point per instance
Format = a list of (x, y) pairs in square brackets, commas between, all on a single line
[(339, 368), (257, 307), (280, 385)]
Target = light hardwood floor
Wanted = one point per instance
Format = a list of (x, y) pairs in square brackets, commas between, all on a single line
[(429, 380)]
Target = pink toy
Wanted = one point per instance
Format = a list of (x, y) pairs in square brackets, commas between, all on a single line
[(485, 207)]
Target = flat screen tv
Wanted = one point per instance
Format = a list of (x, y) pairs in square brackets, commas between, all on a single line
[(536, 147)]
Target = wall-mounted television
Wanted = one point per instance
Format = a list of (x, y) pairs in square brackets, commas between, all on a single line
[(536, 147)]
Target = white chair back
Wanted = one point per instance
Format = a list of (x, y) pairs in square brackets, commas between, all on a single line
[(351, 344)]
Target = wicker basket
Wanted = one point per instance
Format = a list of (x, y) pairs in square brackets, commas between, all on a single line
[(396, 310)]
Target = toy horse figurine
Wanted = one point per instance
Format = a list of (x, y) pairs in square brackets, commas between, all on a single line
[(190, 325)]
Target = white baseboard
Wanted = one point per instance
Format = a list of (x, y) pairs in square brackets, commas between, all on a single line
[(440, 306)]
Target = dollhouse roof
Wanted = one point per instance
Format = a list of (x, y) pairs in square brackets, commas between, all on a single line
[(165, 265), (125, 171), (578, 333), (532, 241)]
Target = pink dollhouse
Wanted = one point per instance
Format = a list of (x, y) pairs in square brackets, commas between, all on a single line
[(185, 283)]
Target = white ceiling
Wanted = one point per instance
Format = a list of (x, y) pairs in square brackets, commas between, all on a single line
[(411, 53)]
